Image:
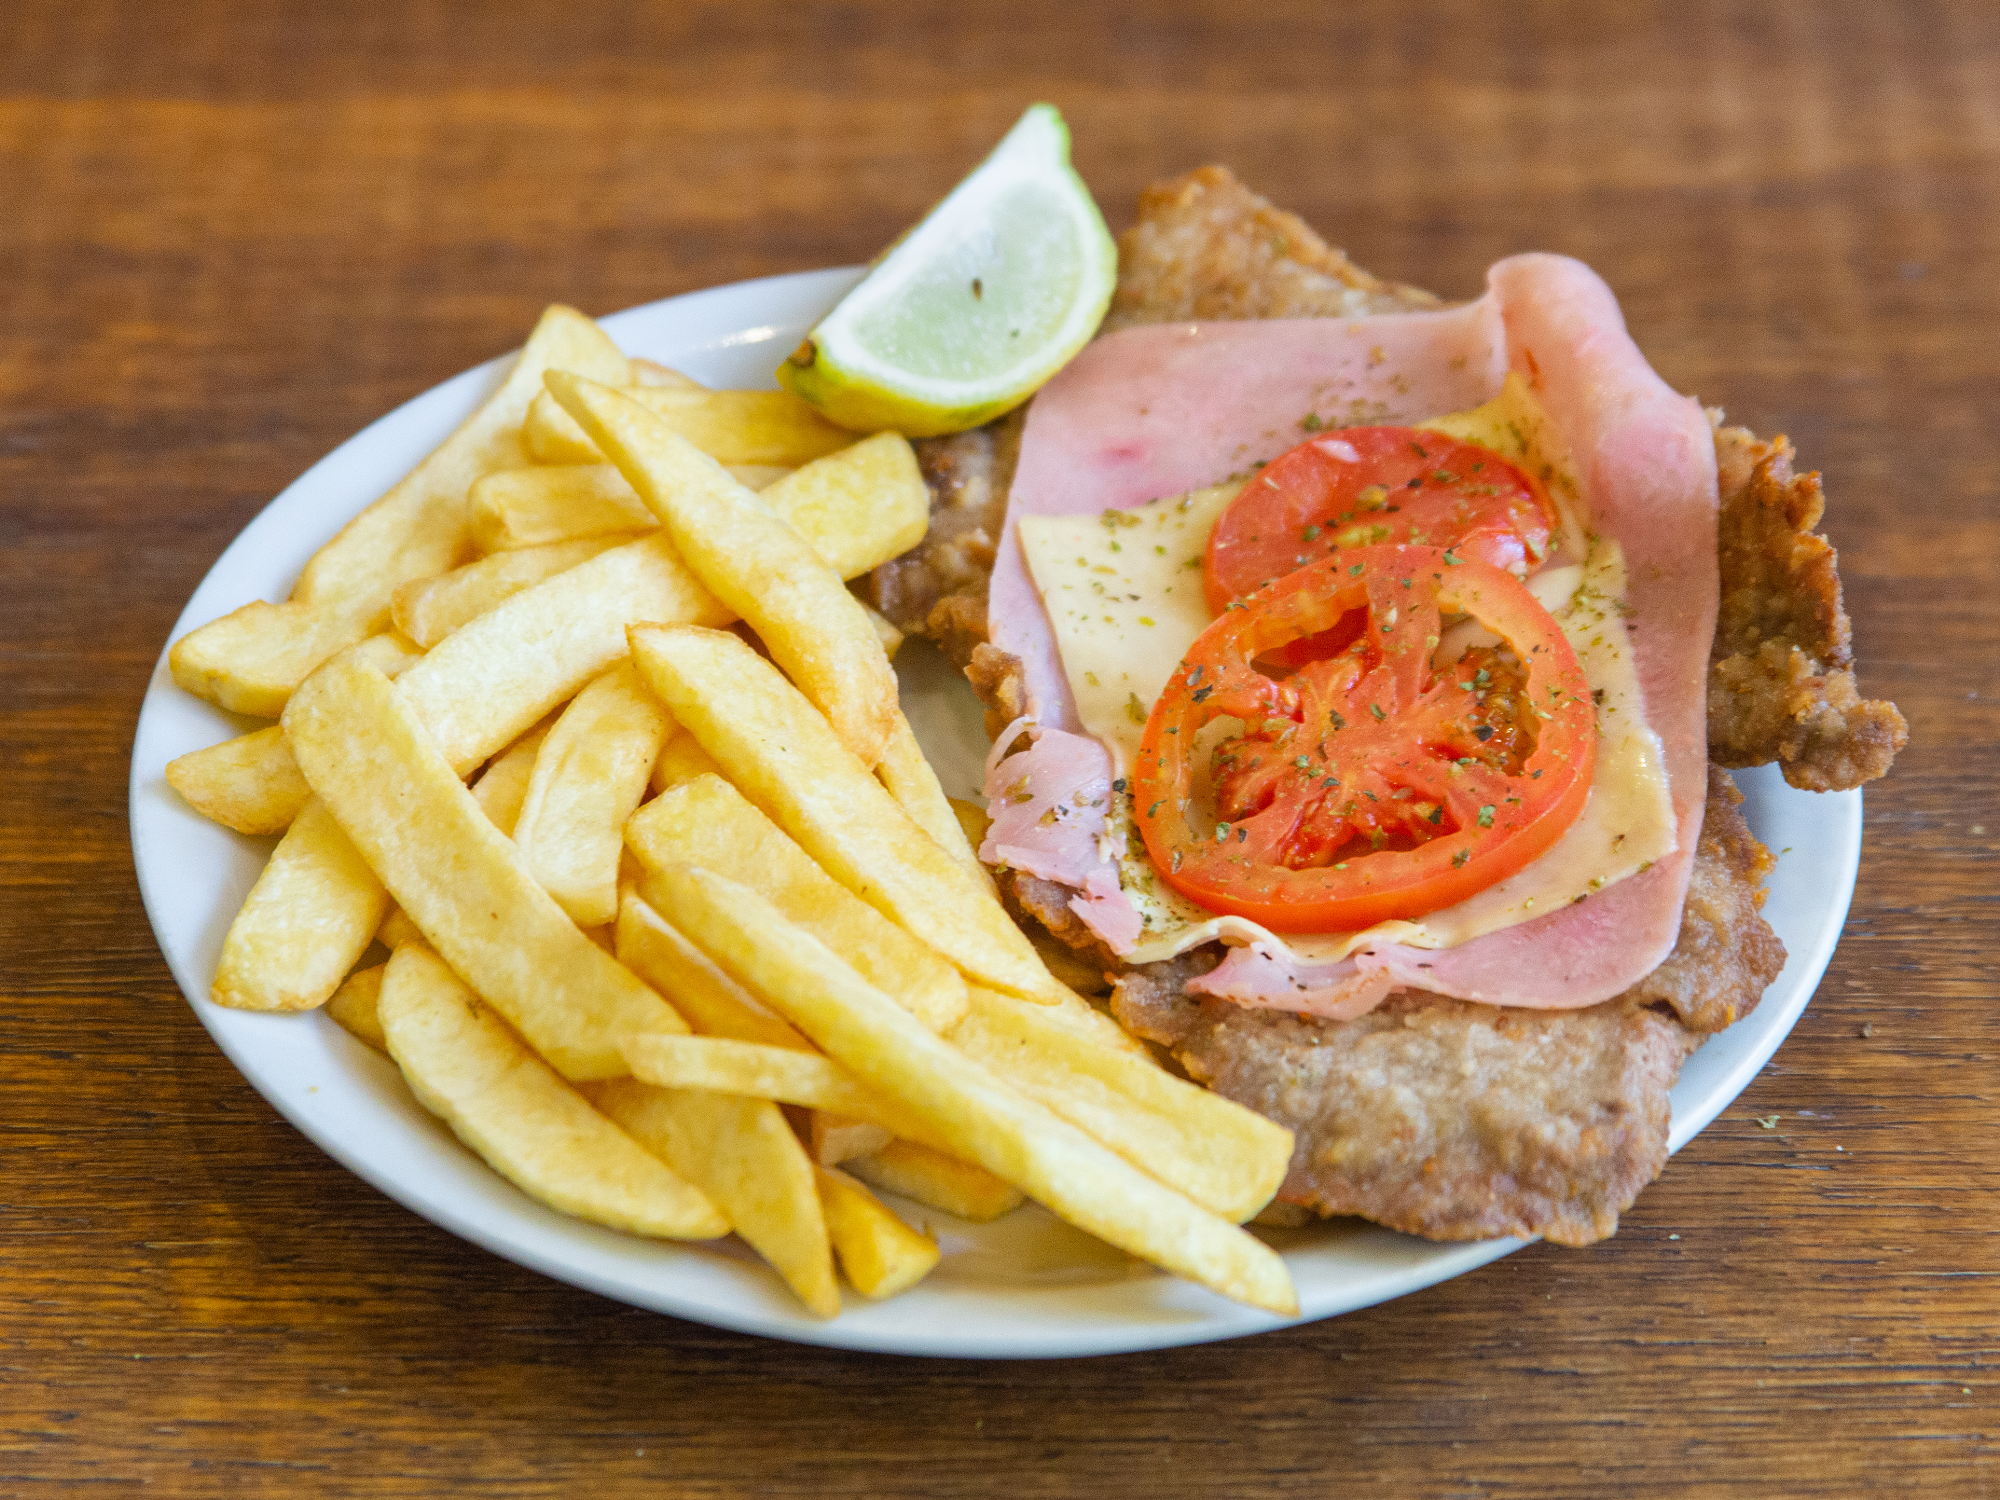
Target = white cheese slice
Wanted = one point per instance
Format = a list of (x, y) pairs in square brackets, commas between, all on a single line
[(1124, 592)]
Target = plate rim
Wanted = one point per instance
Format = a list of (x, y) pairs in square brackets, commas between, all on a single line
[(575, 1253)]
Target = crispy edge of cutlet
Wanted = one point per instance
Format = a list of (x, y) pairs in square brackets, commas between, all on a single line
[(1206, 248), (1781, 673)]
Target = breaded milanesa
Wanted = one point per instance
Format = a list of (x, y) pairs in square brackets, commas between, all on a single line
[(1436, 1116)]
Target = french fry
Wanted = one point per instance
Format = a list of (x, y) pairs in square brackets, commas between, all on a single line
[(743, 1155), (707, 822), (379, 776), (312, 913), (985, 1120), (429, 609), (546, 503), (733, 427), (250, 661), (354, 1006), (879, 1254), (716, 1005), (588, 778), (877, 476), (680, 759), (502, 787), (494, 677), (1227, 1158), (911, 781), (250, 783), (885, 632), (752, 561), (784, 1075), (835, 1138), (529, 1125), (782, 755), (396, 930), (759, 476), (767, 1197), (937, 1181)]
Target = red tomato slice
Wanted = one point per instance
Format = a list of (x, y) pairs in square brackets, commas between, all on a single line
[(1369, 786), (1375, 486)]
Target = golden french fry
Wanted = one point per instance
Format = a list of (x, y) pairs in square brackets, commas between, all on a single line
[(1227, 1158), (250, 661), (312, 913), (743, 1155), (757, 1070), (589, 775), (972, 820), (759, 476), (911, 781), (877, 477), (490, 680), (502, 787), (250, 783), (396, 930), (937, 1181), (534, 506), (752, 561), (354, 1006), (835, 1138), (529, 1125), (680, 759), (885, 632), (429, 609), (375, 770), (880, 1254), (707, 822), (713, 1003), (984, 1119), (733, 427), (782, 755)]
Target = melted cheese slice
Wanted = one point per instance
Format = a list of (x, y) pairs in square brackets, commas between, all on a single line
[(1124, 592)]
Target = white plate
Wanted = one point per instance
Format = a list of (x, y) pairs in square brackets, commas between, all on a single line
[(1027, 1286)]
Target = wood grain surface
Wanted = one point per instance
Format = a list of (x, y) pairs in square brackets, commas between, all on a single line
[(231, 234)]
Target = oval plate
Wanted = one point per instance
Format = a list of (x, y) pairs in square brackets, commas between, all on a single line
[(1027, 1286)]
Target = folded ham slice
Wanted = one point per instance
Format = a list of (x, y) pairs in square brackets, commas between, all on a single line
[(1155, 411), (1048, 808)]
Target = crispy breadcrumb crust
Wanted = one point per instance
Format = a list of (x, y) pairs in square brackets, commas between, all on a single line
[(1780, 678), (1207, 248)]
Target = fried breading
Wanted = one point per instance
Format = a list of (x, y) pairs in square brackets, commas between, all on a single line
[(1726, 954), (938, 588), (1780, 679), (1459, 1121), (1206, 247)]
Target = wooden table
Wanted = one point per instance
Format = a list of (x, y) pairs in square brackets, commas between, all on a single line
[(231, 236)]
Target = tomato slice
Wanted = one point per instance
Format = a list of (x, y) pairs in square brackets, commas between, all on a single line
[(1375, 486), (1371, 785)]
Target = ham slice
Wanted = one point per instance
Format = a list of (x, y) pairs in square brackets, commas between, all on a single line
[(1154, 411), (1048, 806)]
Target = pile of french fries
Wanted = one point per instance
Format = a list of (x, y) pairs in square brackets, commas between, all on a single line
[(702, 947)]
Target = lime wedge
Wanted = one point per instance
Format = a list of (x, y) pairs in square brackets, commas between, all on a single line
[(971, 311)]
